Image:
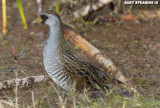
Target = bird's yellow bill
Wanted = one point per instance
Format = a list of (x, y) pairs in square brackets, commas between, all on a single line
[(38, 20)]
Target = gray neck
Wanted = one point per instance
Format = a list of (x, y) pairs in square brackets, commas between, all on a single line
[(53, 43), (52, 57)]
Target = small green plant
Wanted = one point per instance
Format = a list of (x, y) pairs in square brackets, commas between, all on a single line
[(88, 24)]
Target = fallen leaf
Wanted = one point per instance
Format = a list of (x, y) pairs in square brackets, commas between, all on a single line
[(129, 17)]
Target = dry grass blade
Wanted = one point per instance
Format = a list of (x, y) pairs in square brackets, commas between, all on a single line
[(16, 91), (74, 99), (124, 104), (33, 100), (22, 14), (61, 102), (4, 16), (57, 6), (49, 103)]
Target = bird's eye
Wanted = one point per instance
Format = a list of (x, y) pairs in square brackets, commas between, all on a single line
[(44, 17)]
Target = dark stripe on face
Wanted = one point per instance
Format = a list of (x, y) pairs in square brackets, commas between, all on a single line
[(43, 17)]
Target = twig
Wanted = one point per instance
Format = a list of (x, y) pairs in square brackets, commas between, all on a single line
[(8, 103), (24, 82), (95, 53), (85, 10)]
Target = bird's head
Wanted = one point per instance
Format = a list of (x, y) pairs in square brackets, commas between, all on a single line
[(49, 17)]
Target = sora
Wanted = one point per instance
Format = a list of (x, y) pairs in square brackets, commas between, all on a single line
[(62, 65)]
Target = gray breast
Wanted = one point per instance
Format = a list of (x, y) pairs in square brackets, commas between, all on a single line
[(52, 58), (55, 70)]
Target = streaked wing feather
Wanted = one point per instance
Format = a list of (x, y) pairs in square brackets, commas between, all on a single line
[(82, 71)]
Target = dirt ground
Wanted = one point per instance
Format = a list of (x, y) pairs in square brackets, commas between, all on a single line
[(134, 47)]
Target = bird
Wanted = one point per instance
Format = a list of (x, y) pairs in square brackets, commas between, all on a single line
[(63, 66)]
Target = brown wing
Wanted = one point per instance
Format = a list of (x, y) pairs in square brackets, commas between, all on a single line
[(83, 72)]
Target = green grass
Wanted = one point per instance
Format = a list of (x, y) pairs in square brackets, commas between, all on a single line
[(46, 96), (87, 24)]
